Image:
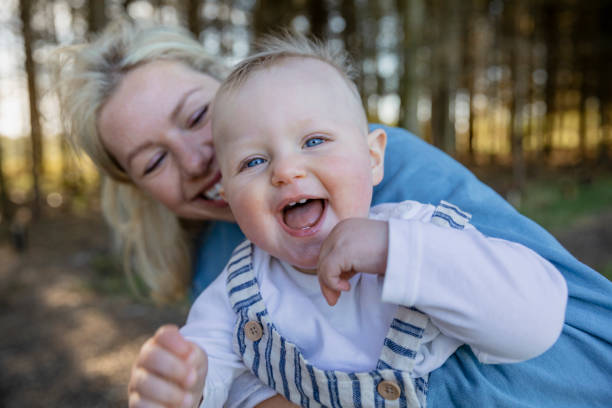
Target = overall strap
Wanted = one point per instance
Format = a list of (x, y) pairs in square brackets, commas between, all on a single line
[(399, 351), (449, 215), (242, 287)]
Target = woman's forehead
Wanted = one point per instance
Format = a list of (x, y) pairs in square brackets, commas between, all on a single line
[(148, 98)]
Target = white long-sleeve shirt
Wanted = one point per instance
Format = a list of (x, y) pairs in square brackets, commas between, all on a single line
[(502, 299)]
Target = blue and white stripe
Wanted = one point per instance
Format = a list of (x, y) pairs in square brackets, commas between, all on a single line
[(449, 215)]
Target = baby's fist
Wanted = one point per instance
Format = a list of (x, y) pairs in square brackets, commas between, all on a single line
[(354, 245), (169, 372)]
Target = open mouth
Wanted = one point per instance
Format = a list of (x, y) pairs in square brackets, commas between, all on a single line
[(213, 193), (303, 214)]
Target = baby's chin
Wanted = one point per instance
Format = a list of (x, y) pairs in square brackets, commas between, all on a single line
[(304, 265), (309, 270), (303, 256)]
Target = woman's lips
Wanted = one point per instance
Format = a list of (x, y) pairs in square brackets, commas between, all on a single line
[(212, 191)]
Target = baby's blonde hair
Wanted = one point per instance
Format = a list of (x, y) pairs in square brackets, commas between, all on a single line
[(273, 49), (149, 235)]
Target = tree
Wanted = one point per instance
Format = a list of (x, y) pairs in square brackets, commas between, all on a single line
[(519, 26), (4, 200), (412, 17), (552, 62), (25, 8), (318, 16), (444, 36), (271, 15), (193, 10), (96, 17)]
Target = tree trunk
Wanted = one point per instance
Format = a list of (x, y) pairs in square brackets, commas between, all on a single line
[(374, 9), (194, 22), (412, 15), (352, 40), (25, 7), (585, 33), (520, 80), (4, 200), (442, 130), (270, 15), (97, 16), (318, 16), (552, 61), (604, 88)]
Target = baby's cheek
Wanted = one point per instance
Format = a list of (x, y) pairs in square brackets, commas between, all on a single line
[(356, 197)]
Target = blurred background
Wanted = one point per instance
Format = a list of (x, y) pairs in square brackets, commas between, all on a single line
[(519, 91)]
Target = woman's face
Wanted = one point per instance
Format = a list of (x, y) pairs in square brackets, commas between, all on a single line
[(157, 126)]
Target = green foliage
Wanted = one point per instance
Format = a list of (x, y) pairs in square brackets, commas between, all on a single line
[(607, 271), (558, 204)]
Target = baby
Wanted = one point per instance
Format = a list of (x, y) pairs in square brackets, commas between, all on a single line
[(330, 302)]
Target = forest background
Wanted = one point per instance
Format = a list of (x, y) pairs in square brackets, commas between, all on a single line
[(519, 91)]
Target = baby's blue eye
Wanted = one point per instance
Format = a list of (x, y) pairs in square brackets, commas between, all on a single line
[(314, 141), (254, 162)]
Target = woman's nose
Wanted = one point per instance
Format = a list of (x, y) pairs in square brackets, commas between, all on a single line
[(194, 159), (287, 170), (195, 163)]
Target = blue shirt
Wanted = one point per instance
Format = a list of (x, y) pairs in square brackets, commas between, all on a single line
[(575, 372)]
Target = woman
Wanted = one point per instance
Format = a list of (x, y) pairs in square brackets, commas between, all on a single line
[(137, 104)]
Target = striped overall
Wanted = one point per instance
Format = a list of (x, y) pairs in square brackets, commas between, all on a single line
[(280, 364)]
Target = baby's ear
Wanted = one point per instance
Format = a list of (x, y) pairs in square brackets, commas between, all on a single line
[(377, 141)]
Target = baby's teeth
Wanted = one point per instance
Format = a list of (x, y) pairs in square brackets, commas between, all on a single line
[(302, 201)]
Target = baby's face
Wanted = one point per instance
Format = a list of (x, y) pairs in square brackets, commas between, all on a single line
[(295, 157)]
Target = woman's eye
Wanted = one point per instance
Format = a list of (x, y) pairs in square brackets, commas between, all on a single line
[(198, 116), (154, 164), (314, 141), (253, 162)]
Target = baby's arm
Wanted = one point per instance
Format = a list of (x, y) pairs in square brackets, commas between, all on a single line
[(210, 325), (169, 372), (177, 369), (501, 298)]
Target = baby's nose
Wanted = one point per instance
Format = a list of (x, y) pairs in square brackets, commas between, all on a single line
[(286, 171)]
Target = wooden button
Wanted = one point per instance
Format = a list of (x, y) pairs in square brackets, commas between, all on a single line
[(388, 390), (253, 330)]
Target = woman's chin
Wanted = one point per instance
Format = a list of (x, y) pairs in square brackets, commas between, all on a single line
[(206, 211)]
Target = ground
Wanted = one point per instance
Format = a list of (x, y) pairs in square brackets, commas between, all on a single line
[(69, 339), (65, 342)]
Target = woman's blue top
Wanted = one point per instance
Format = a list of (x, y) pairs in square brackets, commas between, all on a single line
[(575, 372)]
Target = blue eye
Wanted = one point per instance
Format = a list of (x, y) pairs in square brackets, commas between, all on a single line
[(314, 141), (254, 162)]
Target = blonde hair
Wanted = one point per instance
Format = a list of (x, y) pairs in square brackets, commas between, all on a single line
[(150, 237), (274, 48)]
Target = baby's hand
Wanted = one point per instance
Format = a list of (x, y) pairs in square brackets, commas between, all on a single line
[(169, 372), (354, 245)]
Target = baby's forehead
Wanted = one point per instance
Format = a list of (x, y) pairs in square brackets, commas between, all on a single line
[(292, 68)]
